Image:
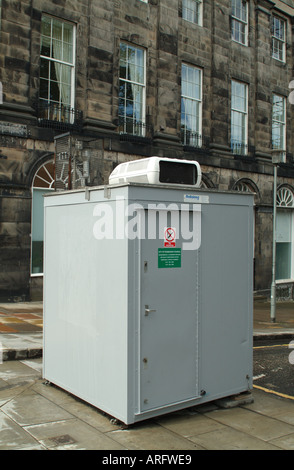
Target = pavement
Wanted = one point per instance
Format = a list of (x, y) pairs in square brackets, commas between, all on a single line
[(38, 416)]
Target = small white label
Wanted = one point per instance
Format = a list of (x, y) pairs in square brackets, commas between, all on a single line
[(196, 198)]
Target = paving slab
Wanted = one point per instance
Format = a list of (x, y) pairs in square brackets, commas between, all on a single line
[(31, 408), (270, 405), (189, 424), (36, 416), (14, 437), (230, 439), (150, 435), (284, 442), (20, 345), (259, 426), (72, 434)]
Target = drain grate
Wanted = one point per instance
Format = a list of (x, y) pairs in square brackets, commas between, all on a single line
[(64, 439)]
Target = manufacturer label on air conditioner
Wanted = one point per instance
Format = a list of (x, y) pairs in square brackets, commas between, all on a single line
[(196, 198)]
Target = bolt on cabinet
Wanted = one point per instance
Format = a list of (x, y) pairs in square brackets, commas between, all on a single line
[(148, 296)]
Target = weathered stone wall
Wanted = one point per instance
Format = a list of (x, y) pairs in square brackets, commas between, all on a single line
[(19, 159), (24, 146), (158, 27), (14, 243)]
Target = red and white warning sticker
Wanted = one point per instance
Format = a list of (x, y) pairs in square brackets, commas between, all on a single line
[(169, 237)]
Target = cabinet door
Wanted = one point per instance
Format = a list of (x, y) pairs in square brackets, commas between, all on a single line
[(168, 343)]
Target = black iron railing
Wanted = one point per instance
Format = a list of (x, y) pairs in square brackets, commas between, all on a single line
[(132, 130), (194, 140), (240, 148), (58, 116)]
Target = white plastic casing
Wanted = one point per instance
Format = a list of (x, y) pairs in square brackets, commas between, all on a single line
[(147, 170)]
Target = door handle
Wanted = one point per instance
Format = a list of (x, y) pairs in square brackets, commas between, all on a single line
[(148, 310)]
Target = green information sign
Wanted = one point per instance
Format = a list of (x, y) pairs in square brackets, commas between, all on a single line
[(169, 257)]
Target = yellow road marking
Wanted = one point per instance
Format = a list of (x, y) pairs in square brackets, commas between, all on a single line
[(283, 395), (272, 346), (274, 393)]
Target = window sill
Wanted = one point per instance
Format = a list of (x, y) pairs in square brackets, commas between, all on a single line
[(245, 44), (194, 23), (280, 61), (135, 139)]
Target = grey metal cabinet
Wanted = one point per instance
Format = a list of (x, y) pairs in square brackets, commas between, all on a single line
[(148, 296)]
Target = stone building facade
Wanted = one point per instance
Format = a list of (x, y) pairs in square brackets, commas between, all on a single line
[(205, 80)]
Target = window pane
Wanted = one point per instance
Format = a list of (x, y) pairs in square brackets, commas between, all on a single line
[(239, 9), (131, 72), (239, 118), (46, 26), (68, 33), (57, 29), (239, 96), (53, 71), (278, 108), (56, 43), (135, 65), (123, 52), (122, 88), (129, 108), (44, 68), (283, 230), (278, 49), (283, 260), (278, 41), (57, 50), (131, 89), (63, 73), (139, 74), (278, 123), (45, 46), (277, 136), (239, 21), (140, 57), (238, 131), (54, 94), (37, 229), (236, 30), (192, 11), (67, 53), (278, 28), (60, 35), (138, 94), (44, 85), (65, 97), (123, 69), (284, 244), (191, 106), (191, 82)]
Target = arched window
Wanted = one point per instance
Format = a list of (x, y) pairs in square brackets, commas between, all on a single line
[(243, 186), (43, 183), (285, 197), (247, 186), (206, 182)]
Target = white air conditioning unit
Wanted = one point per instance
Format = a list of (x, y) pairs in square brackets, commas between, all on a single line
[(157, 170)]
